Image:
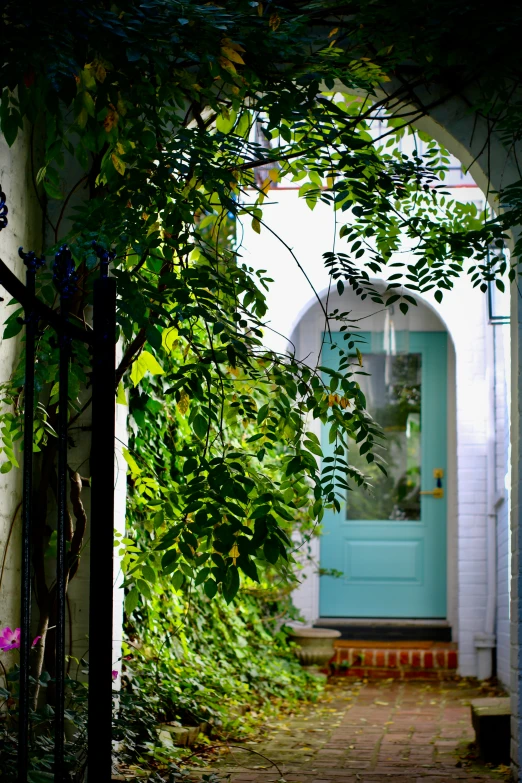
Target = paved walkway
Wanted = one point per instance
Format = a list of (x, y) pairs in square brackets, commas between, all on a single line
[(410, 732)]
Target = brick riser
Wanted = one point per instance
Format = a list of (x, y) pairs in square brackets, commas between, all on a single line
[(435, 663)]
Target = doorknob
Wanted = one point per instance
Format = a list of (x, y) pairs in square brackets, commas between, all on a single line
[(438, 492)]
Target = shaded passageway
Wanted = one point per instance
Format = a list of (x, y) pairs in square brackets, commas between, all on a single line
[(368, 732)]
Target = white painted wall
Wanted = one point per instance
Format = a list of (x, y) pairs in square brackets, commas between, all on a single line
[(24, 228), (294, 311)]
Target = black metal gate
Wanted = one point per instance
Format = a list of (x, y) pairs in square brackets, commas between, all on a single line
[(101, 341)]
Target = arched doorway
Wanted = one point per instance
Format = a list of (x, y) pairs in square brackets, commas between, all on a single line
[(386, 554)]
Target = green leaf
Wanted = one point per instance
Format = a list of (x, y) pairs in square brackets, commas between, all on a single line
[(202, 575), (131, 600), (40, 777), (148, 139), (177, 580), (148, 574), (210, 588), (10, 127), (231, 584), (88, 103), (313, 447), (243, 126), (170, 556), (262, 414), (52, 189), (200, 426), (271, 550), (226, 121), (249, 568), (12, 329), (145, 363)]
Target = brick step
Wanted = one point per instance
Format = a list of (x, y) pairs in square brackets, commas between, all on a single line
[(397, 660)]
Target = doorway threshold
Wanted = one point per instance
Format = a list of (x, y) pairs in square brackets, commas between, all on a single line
[(387, 630)]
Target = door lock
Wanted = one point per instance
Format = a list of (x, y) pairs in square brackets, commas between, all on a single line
[(438, 492)]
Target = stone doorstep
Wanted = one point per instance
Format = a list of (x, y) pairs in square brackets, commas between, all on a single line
[(491, 719), (403, 660)]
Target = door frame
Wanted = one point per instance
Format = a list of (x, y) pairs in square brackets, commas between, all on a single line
[(438, 535)]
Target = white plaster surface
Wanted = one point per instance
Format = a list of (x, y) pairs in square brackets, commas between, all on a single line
[(24, 228)]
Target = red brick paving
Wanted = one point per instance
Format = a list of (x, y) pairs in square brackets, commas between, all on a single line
[(402, 732)]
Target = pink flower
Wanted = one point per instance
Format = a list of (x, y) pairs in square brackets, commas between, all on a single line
[(114, 675), (10, 640)]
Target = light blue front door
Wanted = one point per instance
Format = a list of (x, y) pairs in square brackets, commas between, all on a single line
[(391, 546)]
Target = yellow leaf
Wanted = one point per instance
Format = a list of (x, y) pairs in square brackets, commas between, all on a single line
[(260, 9), (118, 164), (183, 402), (100, 72), (232, 55), (274, 21), (227, 64), (169, 337), (333, 32), (131, 462), (111, 119), (121, 398), (265, 187), (256, 225), (232, 45), (145, 363), (274, 175)]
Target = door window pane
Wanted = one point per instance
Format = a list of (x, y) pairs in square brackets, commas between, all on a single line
[(393, 396)]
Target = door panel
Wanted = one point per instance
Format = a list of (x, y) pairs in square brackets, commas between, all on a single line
[(391, 545)]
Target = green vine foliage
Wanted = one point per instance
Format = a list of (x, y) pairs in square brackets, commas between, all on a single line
[(168, 109), (206, 661)]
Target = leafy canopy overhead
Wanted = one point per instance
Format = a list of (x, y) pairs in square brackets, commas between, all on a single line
[(165, 124)]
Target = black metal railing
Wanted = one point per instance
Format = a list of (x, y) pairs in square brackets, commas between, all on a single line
[(101, 340)]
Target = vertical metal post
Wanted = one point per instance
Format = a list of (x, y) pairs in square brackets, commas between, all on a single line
[(65, 279), (63, 405), (99, 723), (32, 264)]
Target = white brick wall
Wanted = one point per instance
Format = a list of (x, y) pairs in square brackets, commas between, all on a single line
[(502, 402)]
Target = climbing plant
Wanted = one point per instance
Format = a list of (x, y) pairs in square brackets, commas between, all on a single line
[(155, 129)]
